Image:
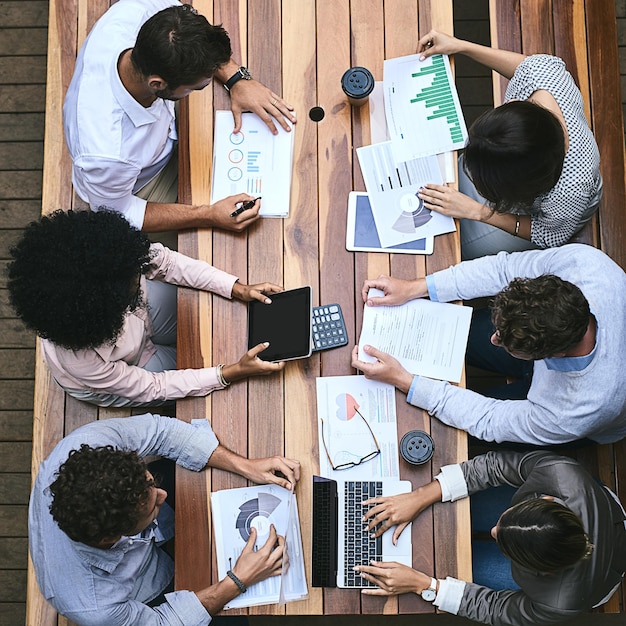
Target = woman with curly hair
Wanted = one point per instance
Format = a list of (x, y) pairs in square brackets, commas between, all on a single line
[(103, 300), (530, 171)]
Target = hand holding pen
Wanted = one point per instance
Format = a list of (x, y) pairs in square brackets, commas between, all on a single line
[(244, 207)]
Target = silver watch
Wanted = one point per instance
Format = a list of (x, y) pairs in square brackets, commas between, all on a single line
[(430, 593)]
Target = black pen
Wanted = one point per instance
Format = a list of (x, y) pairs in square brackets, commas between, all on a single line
[(245, 206)]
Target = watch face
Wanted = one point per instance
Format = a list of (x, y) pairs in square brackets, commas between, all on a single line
[(245, 73), (429, 595)]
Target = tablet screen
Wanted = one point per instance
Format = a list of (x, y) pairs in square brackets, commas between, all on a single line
[(286, 324)]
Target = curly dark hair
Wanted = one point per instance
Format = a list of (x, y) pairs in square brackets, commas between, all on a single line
[(73, 275), (180, 46), (540, 317), (98, 493), (542, 535), (514, 154)]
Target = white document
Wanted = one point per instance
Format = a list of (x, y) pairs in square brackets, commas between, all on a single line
[(399, 214), (428, 338), (379, 132), (343, 405), (253, 161), (235, 511), (424, 115)]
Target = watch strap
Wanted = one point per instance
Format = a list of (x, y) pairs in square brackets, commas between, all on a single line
[(242, 73)]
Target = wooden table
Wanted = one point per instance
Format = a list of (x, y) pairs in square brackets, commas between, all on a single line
[(301, 49)]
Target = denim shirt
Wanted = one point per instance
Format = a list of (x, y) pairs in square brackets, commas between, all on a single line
[(92, 586)]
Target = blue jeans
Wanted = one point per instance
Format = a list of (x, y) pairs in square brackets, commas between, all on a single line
[(483, 354), (490, 567)]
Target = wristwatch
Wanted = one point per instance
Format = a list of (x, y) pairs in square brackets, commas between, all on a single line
[(241, 73), (430, 593)]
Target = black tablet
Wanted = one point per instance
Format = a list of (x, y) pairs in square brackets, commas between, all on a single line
[(285, 323)]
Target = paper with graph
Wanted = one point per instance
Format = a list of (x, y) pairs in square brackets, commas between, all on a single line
[(344, 405), (399, 214), (422, 107), (253, 161)]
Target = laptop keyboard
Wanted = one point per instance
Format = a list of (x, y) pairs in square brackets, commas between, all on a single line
[(360, 548), (328, 327)]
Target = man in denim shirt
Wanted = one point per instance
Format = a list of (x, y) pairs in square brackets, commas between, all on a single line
[(97, 520)]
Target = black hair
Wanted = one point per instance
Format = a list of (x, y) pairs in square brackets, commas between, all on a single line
[(540, 317), (98, 493), (514, 154), (542, 535), (180, 46), (75, 274)]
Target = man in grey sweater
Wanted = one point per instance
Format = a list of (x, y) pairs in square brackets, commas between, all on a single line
[(577, 389)]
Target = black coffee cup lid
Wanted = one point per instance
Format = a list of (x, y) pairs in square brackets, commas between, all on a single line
[(357, 82), (416, 447)]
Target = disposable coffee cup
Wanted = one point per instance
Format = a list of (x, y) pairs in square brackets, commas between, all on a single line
[(357, 83), (417, 447)]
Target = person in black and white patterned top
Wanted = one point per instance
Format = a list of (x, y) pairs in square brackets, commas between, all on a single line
[(530, 174)]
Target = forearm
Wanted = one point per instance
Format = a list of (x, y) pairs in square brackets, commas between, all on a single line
[(227, 70), (229, 461), (517, 225), (160, 216), (504, 62), (214, 598)]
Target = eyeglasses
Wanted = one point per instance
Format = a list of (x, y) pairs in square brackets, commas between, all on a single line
[(349, 464)]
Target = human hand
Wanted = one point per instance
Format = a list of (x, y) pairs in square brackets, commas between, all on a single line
[(251, 95), (253, 566), (437, 43), (449, 201), (392, 578), (246, 293), (396, 290), (218, 215), (251, 365), (277, 470), (386, 369), (400, 510)]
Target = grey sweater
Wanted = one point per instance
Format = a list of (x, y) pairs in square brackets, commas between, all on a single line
[(561, 405)]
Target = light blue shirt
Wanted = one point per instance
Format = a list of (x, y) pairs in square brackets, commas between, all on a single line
[(569, 398), (95, 587)]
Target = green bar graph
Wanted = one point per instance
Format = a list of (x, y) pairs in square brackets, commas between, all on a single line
[(438, 97)]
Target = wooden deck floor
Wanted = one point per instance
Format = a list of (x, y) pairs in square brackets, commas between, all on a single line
[(23, 26)]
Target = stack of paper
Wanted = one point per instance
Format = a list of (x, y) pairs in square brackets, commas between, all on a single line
[(423, 121)]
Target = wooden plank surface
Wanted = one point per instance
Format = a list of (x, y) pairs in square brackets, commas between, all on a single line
[(277, 415)]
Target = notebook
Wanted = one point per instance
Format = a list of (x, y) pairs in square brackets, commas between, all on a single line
[(339, 539)]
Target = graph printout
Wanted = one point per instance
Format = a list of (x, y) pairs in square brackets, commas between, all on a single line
[(422, 107), (344, 404), (253, 161), (399, 214)]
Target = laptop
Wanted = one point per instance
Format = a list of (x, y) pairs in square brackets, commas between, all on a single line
[(340, 540)]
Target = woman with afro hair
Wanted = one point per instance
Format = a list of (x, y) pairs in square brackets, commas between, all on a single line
[(103, 300)]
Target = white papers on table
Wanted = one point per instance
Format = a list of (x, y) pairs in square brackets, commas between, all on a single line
[(424, 115), (428, 338), (235, 511), (392, 187), (253, 161), (379, 132), (340, 399)]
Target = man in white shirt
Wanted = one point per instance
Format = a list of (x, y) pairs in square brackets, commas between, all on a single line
[(119, 118)]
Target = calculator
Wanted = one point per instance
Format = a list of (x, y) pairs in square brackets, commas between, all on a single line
[(328, 327)]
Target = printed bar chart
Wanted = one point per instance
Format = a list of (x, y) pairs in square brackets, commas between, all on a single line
[(438, 96)]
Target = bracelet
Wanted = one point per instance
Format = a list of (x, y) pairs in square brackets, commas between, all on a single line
[(236, 580), (516, 233), (220, 377)]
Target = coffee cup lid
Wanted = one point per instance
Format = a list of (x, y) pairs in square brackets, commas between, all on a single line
[(416, 447), (357, 82)]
